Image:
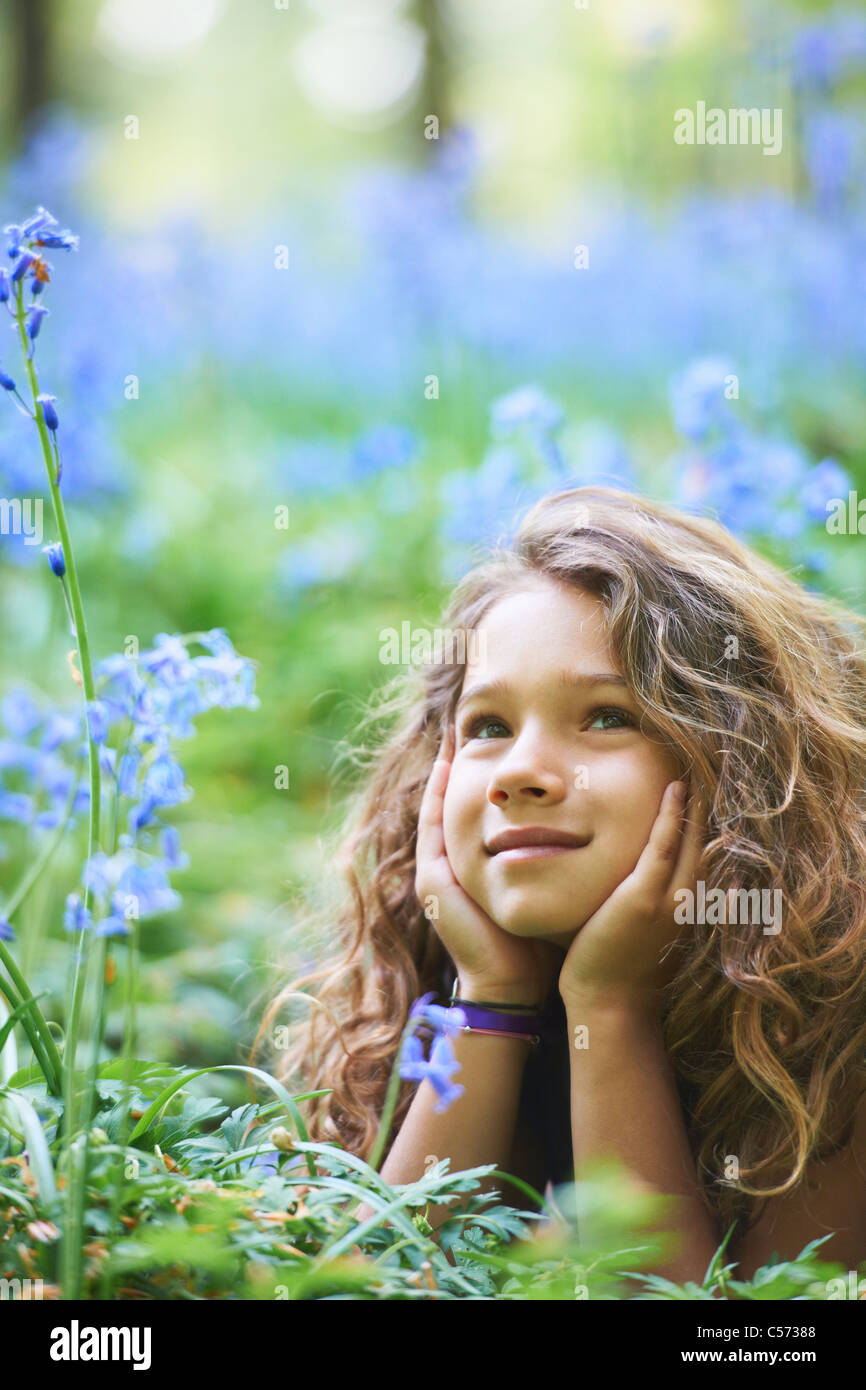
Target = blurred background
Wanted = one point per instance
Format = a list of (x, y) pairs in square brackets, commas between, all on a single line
[(399, 269)]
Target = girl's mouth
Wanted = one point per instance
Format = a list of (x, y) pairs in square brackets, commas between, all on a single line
[(526, 853)]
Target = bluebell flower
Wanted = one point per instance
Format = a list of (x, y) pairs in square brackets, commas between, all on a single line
[(34, 314), (59, 728), (16, 806), (169, 658), (37, 220), (149, 886), (7, 933), (50, 414), (127, 772), (97, 719), (76, 916), (528, 405), (437, 1017), (20, 713), (6, 381), (56, 558), (60, 241), (112, 925), (120, 877), (5, 286), (822, 483), (22, 265), (697, 394), (438, 1070), (384, 446), (217, 642), (170, 849)]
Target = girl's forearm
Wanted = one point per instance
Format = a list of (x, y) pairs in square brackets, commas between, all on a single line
[(478, 1127), (624, 1102)]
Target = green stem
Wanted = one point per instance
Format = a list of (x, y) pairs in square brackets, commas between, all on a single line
[(71, 571), (39, 1037), (27, 880), (382, 1133), (34, 1036), (77, 1161)]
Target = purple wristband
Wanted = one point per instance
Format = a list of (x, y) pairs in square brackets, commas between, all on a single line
[(503, 1022)]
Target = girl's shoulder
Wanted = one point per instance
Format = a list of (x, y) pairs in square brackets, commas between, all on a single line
[(831, 1197)]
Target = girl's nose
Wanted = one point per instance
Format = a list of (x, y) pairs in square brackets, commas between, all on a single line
[(526, 777)]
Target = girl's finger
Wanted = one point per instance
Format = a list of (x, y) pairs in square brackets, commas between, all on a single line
[(692, 844), (430, 842), (655, 868)]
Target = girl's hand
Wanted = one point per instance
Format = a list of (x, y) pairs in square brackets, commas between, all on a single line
[(489, 962), (616, 956)]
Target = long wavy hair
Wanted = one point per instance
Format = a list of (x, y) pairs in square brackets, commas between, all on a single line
[(761, 686)]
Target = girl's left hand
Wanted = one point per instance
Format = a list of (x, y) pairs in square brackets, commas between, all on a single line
[(616, 955)]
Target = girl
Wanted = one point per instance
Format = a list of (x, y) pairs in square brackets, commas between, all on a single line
[(634, 818)]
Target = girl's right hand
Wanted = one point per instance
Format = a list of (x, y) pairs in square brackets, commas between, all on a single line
[(490, 963)]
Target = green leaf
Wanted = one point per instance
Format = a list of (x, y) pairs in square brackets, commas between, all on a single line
[(270, 1081), (37, 1148)]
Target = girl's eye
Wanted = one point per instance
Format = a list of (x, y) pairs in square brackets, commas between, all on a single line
[(620, 714), (481, 722)]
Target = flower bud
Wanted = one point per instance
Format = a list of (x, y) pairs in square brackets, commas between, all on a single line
[(282, 1139), (50, 414), (35, 314), (6, 381), (56, 559), (23, 263)]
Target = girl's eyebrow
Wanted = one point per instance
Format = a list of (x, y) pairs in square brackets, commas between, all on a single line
[(566, 679)]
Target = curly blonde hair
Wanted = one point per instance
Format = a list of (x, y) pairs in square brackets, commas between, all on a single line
[(761, 686)]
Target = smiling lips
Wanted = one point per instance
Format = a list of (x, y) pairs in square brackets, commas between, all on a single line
[(532, 842)]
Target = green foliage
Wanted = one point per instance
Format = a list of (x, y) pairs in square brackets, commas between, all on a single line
[(185, 1212)]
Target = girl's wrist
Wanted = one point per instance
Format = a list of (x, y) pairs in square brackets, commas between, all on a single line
[(626, 999), (499, 993)]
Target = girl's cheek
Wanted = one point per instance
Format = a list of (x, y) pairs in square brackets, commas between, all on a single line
[(457, 812)]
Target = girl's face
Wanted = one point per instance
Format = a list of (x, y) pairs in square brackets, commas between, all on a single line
[(547, 740)]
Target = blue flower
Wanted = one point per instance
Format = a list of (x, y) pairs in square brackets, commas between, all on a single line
[(35, 314), (438, 1070), (56, 559), (59, 728), (170, 849), (148, 886), (17, 806), (440, 1019), (112, 925), (528, 405), (385, 446), (97, 719), (5, 287), (7, 933), (76, 916), (698, 400), (824, 482), (6, 381), (48, 411), (20, 713), (127, 772), (21, 266)]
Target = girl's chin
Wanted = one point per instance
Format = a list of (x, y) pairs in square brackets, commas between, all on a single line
[(540, 927)]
